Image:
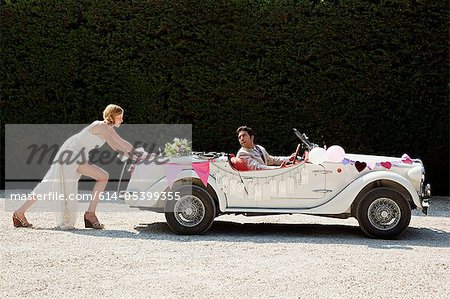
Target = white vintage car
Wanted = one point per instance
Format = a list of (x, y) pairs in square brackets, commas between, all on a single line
[(378, 191)]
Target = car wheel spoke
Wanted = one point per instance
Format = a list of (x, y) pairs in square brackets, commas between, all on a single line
[(384, 213), (189, 211)]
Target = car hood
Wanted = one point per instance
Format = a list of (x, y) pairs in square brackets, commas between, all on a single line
[(373, 158)]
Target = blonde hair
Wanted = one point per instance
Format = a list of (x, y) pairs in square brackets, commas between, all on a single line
[(110, 112)]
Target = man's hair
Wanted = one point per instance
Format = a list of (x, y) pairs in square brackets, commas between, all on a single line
[(247, 129)]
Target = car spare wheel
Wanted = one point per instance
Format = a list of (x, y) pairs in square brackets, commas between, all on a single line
[(192, 210), (384, 213)]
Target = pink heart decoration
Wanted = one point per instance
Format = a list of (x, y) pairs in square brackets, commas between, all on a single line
[(371, 165), (387, 165), (360, 166), (407, 161)]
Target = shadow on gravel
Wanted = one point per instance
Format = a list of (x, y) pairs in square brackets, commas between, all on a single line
[(234, 232), (225, 231)]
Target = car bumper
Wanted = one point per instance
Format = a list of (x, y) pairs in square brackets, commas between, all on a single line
[(425, 198)]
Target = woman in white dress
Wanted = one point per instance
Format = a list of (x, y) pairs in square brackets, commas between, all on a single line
[(63, 176)]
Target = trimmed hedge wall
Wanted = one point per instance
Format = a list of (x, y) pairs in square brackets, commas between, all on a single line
[(371, 76)]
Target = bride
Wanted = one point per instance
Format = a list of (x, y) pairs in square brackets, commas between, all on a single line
[(63, 175)]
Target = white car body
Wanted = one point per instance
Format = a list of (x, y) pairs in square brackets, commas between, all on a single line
[(328, 189)]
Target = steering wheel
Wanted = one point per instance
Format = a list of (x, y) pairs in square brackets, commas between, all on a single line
[(297, 151)]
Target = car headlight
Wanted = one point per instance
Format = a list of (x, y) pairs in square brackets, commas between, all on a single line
[(417, 174)]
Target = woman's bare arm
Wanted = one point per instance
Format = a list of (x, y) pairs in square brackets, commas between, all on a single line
[(114, 140)]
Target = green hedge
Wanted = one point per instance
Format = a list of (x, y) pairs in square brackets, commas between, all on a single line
[(371, 76)]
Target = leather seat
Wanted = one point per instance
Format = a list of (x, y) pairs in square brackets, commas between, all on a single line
[(237, 163)]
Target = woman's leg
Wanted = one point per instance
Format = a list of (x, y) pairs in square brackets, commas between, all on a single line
[(26, 205), (101, 178)]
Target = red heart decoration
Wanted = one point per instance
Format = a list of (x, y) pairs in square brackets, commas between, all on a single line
[(387, 165), (360, 166)]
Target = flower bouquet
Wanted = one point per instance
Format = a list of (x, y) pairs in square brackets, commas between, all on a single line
[(179, 147)]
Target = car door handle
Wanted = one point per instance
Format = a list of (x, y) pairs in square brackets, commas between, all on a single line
[(322, 190), (322, 171)]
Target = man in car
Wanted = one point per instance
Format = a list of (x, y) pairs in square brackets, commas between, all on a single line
[(256, 156)]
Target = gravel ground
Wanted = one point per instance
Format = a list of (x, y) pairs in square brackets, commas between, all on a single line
[(275, 256)]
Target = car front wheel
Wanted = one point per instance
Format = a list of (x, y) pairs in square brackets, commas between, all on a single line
[(192, 213), (384, 213)]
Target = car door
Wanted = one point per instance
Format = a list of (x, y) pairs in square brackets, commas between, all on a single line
[(297, 186)]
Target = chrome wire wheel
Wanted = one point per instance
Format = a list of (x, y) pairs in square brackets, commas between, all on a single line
[(384, 213), (189, 211)]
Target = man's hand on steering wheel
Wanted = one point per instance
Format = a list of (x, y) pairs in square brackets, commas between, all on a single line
[(292, 158), (294, 155)]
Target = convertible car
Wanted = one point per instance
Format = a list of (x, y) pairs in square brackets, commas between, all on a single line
[(378, 191)]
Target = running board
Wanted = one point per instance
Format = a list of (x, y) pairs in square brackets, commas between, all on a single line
[(266, 210)]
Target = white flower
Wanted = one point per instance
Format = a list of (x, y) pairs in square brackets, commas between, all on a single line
[(179, 147)]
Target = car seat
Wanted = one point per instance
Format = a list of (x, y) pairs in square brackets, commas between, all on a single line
[(237, 163)]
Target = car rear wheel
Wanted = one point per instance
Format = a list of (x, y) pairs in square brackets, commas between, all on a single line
[(384, 213), (192, 213)]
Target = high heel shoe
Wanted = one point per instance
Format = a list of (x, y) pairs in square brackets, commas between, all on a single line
[(20, 221), (94, 223)]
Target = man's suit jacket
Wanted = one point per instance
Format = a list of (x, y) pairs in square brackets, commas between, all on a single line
[(255, 161)]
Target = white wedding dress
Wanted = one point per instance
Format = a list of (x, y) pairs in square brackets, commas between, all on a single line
[(62, 177)]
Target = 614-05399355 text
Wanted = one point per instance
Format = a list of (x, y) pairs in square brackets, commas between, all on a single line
[(170, 195)]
